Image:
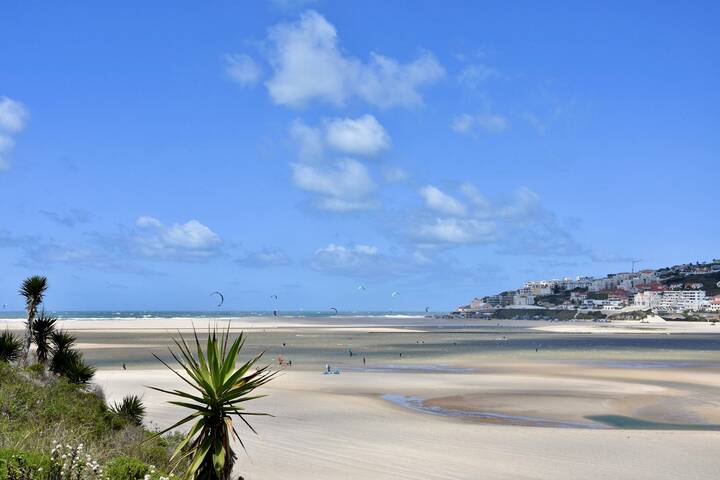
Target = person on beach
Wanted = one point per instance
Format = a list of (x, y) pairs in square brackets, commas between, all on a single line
[(124, 367), (363, 360)]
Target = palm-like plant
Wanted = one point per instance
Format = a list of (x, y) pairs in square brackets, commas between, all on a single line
[(75, 370), (43, 329), (219, 390), (130, 409), (11, 347), (67, 361), (33, 289)]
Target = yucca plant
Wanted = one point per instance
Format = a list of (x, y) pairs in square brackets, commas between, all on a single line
[(43, 328), (219, 390), (75, 370), (68, 362), (11, 347), (33, 289), (130, 409)]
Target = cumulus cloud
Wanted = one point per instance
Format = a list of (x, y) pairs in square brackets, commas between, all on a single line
[(456, 230), (361, 136), (180, 241), (346, 185), (308, 65), (267, 257), (484, 123), (437, 200), (310, 140), (517, 224), (243, 69), (13, 118)]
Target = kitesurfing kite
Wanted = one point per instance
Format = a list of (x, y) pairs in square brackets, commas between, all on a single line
[(222, 298), (274, 297), (334, 310), (361, 287), (395, 294), (427, 309)]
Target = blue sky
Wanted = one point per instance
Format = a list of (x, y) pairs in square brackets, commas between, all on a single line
[(152, 153)]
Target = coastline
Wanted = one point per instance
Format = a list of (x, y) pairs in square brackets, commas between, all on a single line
[(509, 398)]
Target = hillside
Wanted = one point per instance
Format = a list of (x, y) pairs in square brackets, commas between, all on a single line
[(38, 412)]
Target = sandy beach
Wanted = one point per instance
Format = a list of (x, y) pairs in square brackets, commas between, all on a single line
[(466, 400)]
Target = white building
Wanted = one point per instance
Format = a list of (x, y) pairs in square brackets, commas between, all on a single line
[(672, 300), (478, 305), (541, 287), (523, 298)]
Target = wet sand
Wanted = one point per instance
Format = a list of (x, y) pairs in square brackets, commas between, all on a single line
[(485, 403)]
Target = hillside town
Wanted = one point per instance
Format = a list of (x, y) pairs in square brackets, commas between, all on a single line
[(680, 289)]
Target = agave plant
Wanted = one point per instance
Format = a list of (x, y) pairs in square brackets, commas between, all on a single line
[(33, 289), (130, 409), (11, 347), (219, 390), (43, 329)]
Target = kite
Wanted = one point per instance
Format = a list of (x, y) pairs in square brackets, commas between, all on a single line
[(222, 298)]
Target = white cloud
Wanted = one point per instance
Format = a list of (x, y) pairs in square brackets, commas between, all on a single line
[(184, 241), (456, 230), (394, 174), (357, 136), (517, 224), (308, 65), (13, 118), (486, 123), (462, 123), (524, 204), (310, 140), (6, 146), (267, 257), (352, 260), (361, 136), (473, 76), (344, 186), (13, 115), (475, 196), (243, 69), (148, 222), (437, 200)]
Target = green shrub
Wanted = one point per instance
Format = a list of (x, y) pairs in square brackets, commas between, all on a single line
[(36, 369), (34, 412), (16, 463), (125, 468), (11, 346), (130, 409)]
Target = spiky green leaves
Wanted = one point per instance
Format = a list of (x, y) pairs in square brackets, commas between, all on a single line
[(130, 409), (11, 347), (42, 330), (219, 391), (33, 289)]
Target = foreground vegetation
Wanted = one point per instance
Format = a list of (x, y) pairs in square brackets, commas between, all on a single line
[(55, 426), (38, 412)]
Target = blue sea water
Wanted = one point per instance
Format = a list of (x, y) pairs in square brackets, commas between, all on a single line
[(224, 314)]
